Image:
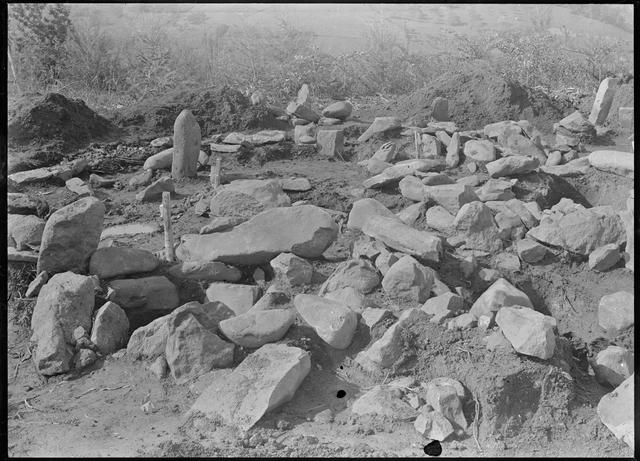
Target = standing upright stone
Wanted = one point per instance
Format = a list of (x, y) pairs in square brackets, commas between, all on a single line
[(604, 98), (186, 145), (440, 109), (453, 151)]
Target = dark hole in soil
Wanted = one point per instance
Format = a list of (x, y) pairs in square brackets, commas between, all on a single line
[(341, 394)]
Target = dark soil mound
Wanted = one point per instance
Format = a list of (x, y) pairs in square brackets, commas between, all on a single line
[(217, 111), (56, 118), (42, 129), (478, 96)]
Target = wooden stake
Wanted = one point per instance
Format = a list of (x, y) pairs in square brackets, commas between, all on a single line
[(214, 176), (417, 141), (165, 212)]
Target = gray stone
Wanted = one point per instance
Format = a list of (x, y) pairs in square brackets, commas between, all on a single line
[(192, 350), (253, 329), (453, 151), (613, 161), (24, 204), (412, 188), (154, 293), (383, 400), (554, 158), (295, 184), (506, 262), (613, 365), (480, 150), (110, 330), (627, 218), (305, 230), (436, 179), (447, 302), (615, 410), (339, 109), (36, 284), (331, 143), (604, 257), (385, 260), (149, 342), (239, 298), (464, 321), (364, 209), (366, 247), (160, 367), (397, 235), (334, 323), (407, 279), (502, 129), (429, 147), (296, 270), (615, 311), (63, 304), (512, 165), (380, 125), (213, 271), (143, 178), (373, 316), (360, 274), (432, 425), (264, 380), (440, 109), (411, 214), (78, 187), (476, 226), (500, 294), (154, 191), (495, 189), (603, 101), (220, 224), (445, 396), (443, 137), (117, 261), (529, 332), (450, 196), (530, 251), (438, 218), (395, 173), (268, 192), (70, 236), (348, 296), (302, 111), (386, 153), (25, 230)]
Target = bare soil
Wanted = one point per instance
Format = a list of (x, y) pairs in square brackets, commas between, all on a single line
[(518, 406)]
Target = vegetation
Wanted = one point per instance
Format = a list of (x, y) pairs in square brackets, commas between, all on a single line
[(82, 58)]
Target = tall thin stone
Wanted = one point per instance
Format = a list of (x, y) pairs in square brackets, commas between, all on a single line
[(186, 145), (602, 103), (453, 151)]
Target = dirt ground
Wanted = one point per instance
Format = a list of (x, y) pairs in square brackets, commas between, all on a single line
[(98, 411)]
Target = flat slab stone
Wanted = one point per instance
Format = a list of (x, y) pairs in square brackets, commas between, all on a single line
[(265, 380), (613, 161), (128, 230)]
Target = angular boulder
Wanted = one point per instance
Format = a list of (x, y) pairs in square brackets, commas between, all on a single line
[(305, 230), (334, 323), (25, 230), (613, 161), (475, 224), (616, 311), (500, 294), (365, 208), (154, 293), (450, 196), (296, 270), (110, 328), (383, 400), (254, 329), (70, 236), (112, 262), (529, 332), (213, 271), (615, 410), (512, 165), (408, 279), (267, 192), (239, 298), (356, 273)]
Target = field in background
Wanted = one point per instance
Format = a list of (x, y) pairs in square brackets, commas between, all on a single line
[(114, 55)]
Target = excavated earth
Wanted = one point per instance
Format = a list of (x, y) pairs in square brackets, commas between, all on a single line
[(521, 406)]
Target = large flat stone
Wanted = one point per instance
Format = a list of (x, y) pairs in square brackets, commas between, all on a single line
[(112, 262)]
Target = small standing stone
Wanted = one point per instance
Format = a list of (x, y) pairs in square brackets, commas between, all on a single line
[(331, 143), (186, 146), (602, 103), (440, 109)]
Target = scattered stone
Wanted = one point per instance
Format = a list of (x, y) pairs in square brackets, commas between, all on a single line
[(496, 340), (36, 284), (528, 331), (160, 367), (500, 294), (429, 147), (373, 316), (366, 247), (239, 298), (395, 173), (333, 322), (502, 129), (397, 235), (374, 166), (627, 218), (360, 274), (263, 381), (70, 236), (24, 204), (615, 410), (476, 226), (295, 184), (305, 230), (110, 328), (25, 231), (268, 192), (411, 214), (450, 196), (506, 262), (445, 396), (302, 111), (304, 130), (432, 425), (331, 143), (453, 151), (117, 261), (385, 260), (380, 125), (386, 153), (604, 257), (468, 266), (78, 187), (143, 178), (149, 342), (84, 358), (436, 179), (512, 165), (613, 365), (255, 328), (21, 256), (407, 279), (383, 400), (443, 137), (348, 296), (296, 270), (530, 251), (495, 189), (603, 101), (192, 350), (613, 161), (213, 271), (165, 141), (154, 191), (64, 303), (154, 293), (385, 351), (340, 110), (554, 158), (448, 303), (464, 321), (615, 311), (30, 176), (412, 188), (438, 218), (220, 224), (480, 151), (521, 145)]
